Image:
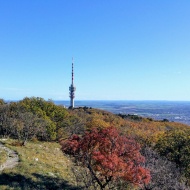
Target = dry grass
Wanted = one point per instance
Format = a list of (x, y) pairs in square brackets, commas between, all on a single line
[(42, 166), (3, 156)]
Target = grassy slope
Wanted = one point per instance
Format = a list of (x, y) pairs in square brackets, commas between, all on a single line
[(42, 166), (3, 156)]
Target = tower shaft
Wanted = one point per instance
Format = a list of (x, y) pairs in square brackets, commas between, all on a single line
[(72, 88)]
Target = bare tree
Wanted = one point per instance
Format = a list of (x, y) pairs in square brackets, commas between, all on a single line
[(27, 126), (164, 174), (5, 121)]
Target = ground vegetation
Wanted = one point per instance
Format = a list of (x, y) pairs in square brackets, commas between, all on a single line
[(34, 127)]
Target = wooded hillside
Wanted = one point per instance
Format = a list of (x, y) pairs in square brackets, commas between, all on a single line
[(165, 145)]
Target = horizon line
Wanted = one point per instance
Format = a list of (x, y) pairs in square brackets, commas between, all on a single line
[(100, 99)]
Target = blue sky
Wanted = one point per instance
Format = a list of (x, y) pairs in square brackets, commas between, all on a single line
[(122, 49)]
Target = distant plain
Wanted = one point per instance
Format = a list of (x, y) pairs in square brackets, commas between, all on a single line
[(178, 111)]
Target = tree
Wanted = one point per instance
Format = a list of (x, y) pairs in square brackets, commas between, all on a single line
[(5, 121), (24, 125), (55, 115), (164, 174), (2, 102), (27, 126), (96, 122), (175, 146), (74, 125), (108, 156)]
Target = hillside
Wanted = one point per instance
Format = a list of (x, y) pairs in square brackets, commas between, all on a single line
[(42, 166), (33, 128)]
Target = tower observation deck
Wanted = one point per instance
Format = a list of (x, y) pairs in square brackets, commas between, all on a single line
[(72, 89)]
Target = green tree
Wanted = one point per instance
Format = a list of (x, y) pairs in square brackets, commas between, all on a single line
[(56, 116), (175, 146)]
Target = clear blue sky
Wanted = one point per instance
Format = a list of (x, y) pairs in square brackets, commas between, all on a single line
[(122, 49)]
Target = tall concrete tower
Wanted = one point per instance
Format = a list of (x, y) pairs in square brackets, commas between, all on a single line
[(72, 89)]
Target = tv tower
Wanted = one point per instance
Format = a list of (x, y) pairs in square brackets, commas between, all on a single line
[(72, 89)]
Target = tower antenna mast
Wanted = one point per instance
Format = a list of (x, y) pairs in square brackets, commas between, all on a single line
[(72, 72)]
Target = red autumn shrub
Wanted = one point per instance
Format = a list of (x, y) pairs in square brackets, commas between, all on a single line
[(108, 156)]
